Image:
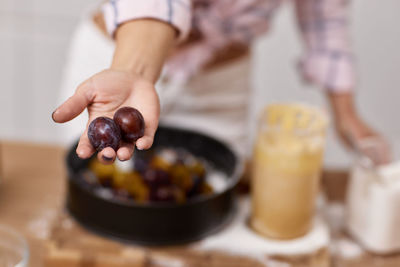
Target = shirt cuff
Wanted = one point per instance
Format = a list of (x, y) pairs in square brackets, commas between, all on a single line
[(332, 70), (174, 12)]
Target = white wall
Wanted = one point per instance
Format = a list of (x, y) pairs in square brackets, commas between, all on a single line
[(34, 37), (376, 37)]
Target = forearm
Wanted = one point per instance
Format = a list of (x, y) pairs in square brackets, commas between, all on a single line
[(342, 104), (142, 47)]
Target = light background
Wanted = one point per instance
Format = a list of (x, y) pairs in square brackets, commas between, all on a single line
[(34, 37)]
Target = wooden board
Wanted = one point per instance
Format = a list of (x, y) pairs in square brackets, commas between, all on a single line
[(89, 249)]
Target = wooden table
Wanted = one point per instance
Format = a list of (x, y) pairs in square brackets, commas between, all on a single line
[(32, 199), (32, 192)]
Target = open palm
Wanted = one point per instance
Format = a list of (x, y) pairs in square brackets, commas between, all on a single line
[(103, 94)]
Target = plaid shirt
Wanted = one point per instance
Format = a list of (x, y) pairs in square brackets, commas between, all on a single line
[(327, 60)]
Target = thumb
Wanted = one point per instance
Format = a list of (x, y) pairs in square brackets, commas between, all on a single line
[(74, 105)]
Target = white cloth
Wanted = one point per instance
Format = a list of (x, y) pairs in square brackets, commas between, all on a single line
[(214, 102)]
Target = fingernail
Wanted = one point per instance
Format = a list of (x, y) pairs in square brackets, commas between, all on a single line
[(107, 158), (52, 115), (79, 153), (138, 146)]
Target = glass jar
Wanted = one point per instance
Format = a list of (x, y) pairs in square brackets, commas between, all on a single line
[(14, 251), (288, 156)]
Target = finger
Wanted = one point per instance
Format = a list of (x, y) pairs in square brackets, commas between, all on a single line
[(151, 125), (85, 148), (106, 156), (146, 141), (125, 152), (385, 156), (376, 149), (75, 104)]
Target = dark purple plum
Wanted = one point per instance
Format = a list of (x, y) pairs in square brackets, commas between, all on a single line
[(167, 194), (198, 181), (122, 195), (106, 183), (103, 132), (141, 163), (131, 123), (162, 194), (155, 178)]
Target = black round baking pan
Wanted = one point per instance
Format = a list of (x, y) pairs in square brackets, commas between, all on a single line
[(158, 223)]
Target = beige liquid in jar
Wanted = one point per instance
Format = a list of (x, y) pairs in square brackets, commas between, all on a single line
[(286, 172)]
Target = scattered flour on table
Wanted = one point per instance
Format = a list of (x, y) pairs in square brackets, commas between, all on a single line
[(275, 263), (67, 223), (347, 249), (40, 227), (166, 261), (334, 214), (237, 238)]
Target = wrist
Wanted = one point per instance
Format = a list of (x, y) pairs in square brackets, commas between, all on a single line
[(136, 66), (142, 46)]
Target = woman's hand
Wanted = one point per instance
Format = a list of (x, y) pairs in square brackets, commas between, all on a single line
[(355, 133), (103, 94), (141, 49), (359, 136)]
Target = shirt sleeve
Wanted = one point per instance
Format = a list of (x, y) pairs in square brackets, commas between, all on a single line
[(177, 13), (328, 60)]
